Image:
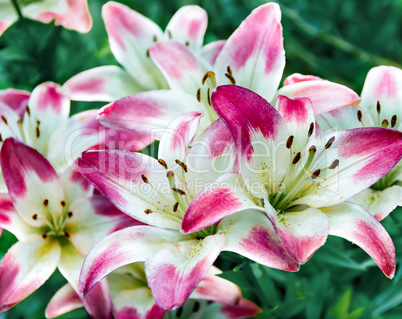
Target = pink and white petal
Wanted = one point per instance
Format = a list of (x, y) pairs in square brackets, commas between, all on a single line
[(364, 154), (252, 235), (353, 223), (301, 233), (16, 99), (75, 186), (325, 95), (121, 248), (259, 133), (11, 221), (5, 23), (177, 137), (131, 141), (255, 52), (299, 116), (119, 176), (175, 269), (181, 66), (340, 119), (379, 203), (105, 83), (383, 84), (244, 309), (210, 51), (25, 267), (94, 218), (64, 301), (224, 196), (297, 78), (130, 37), (149, 112), (33, 184), (10, 123), (188, 26)]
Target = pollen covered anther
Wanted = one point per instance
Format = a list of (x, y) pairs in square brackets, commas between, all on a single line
[(4, 119), (63, 203), (334, 164), (231, 78), (208, 75), (175, 207), (45, 202), (44, 235), (385, 123), (199, 95), (209, 97), (66, 234), (311, 129), (169, 34), (35, 216), (182, 165), (296, 158), (229, 69), (393, 120), (359, 115), (147, 211), (144, 179), (28, 110), (315, 174), (330, 141), (378, 107), (179, 191), (289, 142), (70, 214), (163, 163)]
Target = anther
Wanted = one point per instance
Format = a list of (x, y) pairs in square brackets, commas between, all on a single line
[(63, 203), (147, 211), (315, 174), (44, 235), (175, 207), (163, 163), (182, 165), (178, 190), (35, 216), (311, 129), (148, 55), (330, 141), (1, 138), (46, 202), (378, 107), (231, 78), (385, 123), (66, 234), (207, 75), (28, 110), (229, 69), (393, 120), (296, 158), (155, 38), (359, 115), (144, 179), (70, 214), (4, 119), (289, 142), (169, 34), (312, 149), (199, 95), (37, 132), (209, 97), (334, 164), (187, 43)]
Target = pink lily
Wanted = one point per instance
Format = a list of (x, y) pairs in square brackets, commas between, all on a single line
[(380, 106), (252, 57), (132, 297), (130, 37), (56, 220), (158, 193), (71, 14), (304, 180)]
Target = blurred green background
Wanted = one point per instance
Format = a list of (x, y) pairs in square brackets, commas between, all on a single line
[(337, 40)]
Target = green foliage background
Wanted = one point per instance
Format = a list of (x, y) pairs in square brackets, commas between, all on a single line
[(337, 40)]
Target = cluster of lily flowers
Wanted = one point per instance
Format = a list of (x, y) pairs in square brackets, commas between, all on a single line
[(242, 166)]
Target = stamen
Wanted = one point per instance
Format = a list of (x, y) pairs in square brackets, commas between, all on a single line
[(46, 202), (178, 190), (296, 158), (229, 69), (378, 107), (187, 43), (37, 132), (169, 34), (28, 110), (175, 207), (334, 164), (144, 178), (393, 120), (182, 165), (329, 143), (148, 55), (209, 97), (231, 78), (66, 234), (44, 235), (208, 75), (1, 138), (359, 115), (147, 211), (63, 203), (70, 214), (199, 95), (311, 129), (4, 119), (155, 38), (35, 216), (163, 163), (385, 123), (289, 142), (315, 174)]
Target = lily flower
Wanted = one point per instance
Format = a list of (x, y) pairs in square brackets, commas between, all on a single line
[(252, 57), (71, 14), (56, 220), (304, 180), (380, 106), (131, 36), (158, 193), (132, 297)]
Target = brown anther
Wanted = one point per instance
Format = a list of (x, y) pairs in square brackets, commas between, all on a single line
[(66, 234), (155, 38), (170, 174), (163, 163), (169, 34), (70, 214), (229, 69), (37, 132), (147, 211), (289, 142), (45, 202), (175, 207), (19, 122), (199, 95), (334, 164), (28, 110), (144, 179), (44, 235), (296, 158), (231, 78), (178, 190), (393, 120), (330, 141), (315, 174), (207, 75), (148, 55), (187, 43), (312, 149), (37, 122), (385, 123), (311, 129), (378, 107), (35, 216), (1, 138), (4, 119), (182, 165), (209, 97), (359, 115), (63, 203)]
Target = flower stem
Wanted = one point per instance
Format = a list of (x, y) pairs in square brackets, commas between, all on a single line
[(17, 9)]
